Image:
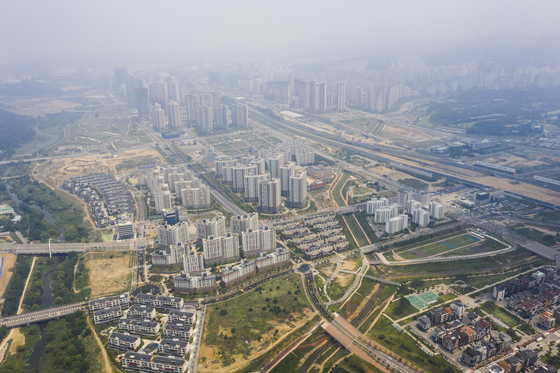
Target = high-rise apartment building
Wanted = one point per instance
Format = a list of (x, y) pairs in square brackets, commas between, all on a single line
[(173, 115), (204, 120), (437, 210), (192, 107), (242, 223), (193, 263), (274, 164), (210, 227), (421, 217), (222, 120), (240, 116), (252, 186), (396, 224), (175, 235), (143, 103), (220, 249), (158, 118), (383, 214), (358, 96), (375, 204), (298, 190), (269, 196), (163, 201), (289, 169), (341, 97), (174, 91)]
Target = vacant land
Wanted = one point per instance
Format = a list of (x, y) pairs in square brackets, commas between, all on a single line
[(9, 261), (415, 183), (59, 170), (262, 316), (109, 272)]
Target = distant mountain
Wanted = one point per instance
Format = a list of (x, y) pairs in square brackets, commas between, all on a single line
[(17, 130)]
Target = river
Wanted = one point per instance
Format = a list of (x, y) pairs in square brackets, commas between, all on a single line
[(48, 216), (45, 144), (47, 300)]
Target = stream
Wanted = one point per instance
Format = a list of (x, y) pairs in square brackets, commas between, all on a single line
[(47, 300)]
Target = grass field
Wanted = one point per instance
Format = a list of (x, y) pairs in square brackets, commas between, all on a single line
[(260, 315), (406, 347), (337, 356), (415, 183), (356, 230), (360, 218), (341, 283), (504, 317), (354, 364), (338, 187), (110, 272), (435, 248), (365, 289)]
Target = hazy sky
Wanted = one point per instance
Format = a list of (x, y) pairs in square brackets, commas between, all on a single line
[(120, 31)]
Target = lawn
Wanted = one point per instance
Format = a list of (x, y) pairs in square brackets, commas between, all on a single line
[(354, 364), (403, 345), (336, 190), (360, 190), (363, 291), (400, 308), (256, 314), (356, 230), (337, 356), (435, 248), (408, 255), (505, 318), (360, 218), (460, 241), (414, 183), (288, 364)]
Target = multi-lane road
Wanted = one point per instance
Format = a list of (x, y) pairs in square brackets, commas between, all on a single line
[(38, 316)]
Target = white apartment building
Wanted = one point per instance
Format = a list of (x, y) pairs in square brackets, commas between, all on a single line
[(422, 196), (123, 341), (256, 241), (141, 312), (210, 227), (194, 284), (437, 210), (298, 190), (196, 198), (221, 249), (269, 196), (158, 118), (396, 224), (159, 301), (251, 186), (286, 171), (234, 274), (376, 203), (182, 317), (106, 315), (169, 257), (108, 302), (173, 347), (277, 258), (193, 263), (150, 363), (173, 235), (173, 116), (403, 197), (412, 205), (239, 173), (383, 214), (163, 201), (274, 164), (180, 331), (227, 176), (421, 217), (221, 164), (138, 326), (240, 224)]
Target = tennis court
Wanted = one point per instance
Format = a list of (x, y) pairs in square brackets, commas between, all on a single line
[(428, 297), (423, 300), (417, 302)]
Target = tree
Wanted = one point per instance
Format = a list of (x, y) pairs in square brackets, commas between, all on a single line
[(223, 312)]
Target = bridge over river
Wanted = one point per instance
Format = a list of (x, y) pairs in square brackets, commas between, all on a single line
[(42, 315)]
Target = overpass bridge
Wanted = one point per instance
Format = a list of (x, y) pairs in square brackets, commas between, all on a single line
[(24, 319), (64, 248)]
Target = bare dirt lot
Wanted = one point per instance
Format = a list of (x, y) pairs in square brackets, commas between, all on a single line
[(409, 133), (528, 190), (41, 107), (108, 272), (59, 170), (9, 263)]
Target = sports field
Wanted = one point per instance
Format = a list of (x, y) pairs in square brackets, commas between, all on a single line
[(440, 247), (423, 300)]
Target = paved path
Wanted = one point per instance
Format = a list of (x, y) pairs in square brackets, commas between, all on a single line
[(382, 280), (353, 287)]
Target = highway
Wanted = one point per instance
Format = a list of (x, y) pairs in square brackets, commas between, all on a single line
[(38, 316), (353, 337), (377, 155)]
